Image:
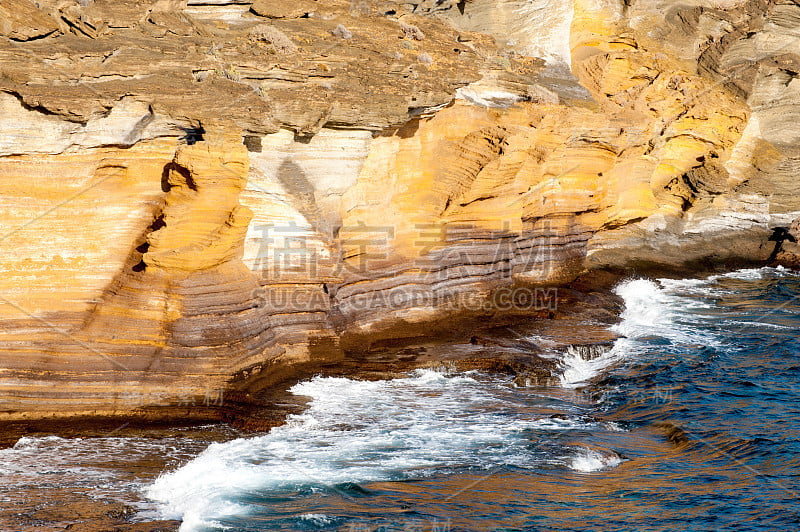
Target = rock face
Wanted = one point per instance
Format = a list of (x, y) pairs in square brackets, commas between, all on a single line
[(22, 21), (198, 197)]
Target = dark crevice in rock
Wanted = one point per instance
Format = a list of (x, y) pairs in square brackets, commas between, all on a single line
[(193, 135)]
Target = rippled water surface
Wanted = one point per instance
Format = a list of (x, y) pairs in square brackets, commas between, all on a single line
[(690, 422)]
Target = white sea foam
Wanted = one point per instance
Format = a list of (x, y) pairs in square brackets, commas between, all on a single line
[(748, 274), (578, 370), (739, 324), (664, 309), (754, 274), (590, 460), (562, 424), (705, 286), (356, 432), (27, 443), (647, 309), (317, 519), (653, 310)]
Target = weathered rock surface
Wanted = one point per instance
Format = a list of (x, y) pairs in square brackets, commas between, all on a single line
[(200, 199), (22, 21)]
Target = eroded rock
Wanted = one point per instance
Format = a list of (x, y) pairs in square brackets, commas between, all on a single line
[(21, 20), (200, 203)]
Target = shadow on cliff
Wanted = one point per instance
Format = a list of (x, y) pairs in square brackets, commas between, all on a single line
[(302, 194)]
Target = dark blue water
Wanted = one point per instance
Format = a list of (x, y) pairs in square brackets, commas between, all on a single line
[(690, 422), (734, 400)]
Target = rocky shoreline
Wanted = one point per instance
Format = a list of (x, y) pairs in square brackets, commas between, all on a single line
[(524, 348), (204, 201), (580, 315)]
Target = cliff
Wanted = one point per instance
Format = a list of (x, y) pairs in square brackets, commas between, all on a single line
[(200, 196)]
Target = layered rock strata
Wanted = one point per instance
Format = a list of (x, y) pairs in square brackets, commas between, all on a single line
[(200, 198)]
